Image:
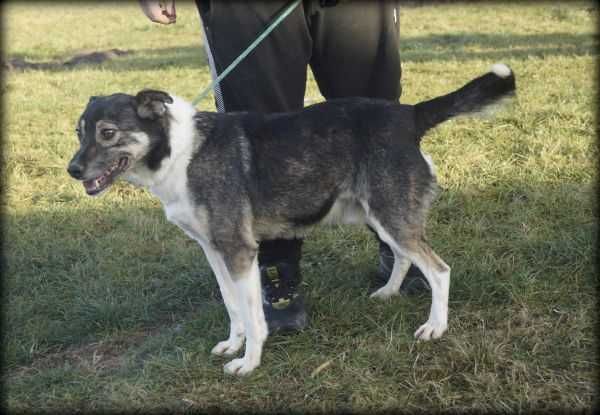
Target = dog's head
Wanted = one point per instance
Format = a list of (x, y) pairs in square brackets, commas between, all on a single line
[(118, 133)]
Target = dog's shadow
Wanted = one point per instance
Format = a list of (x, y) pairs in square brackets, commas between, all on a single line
[(82, 272)]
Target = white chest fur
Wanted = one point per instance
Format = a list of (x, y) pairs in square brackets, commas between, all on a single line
[(190, 218), (170, 182)]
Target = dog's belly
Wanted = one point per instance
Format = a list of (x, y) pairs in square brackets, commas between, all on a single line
[(267, 229), (345, 210)]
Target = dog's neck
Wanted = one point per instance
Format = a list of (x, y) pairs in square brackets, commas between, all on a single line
[(170, 180)]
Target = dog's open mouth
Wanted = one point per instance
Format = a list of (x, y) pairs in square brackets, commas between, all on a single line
[(100, 183)]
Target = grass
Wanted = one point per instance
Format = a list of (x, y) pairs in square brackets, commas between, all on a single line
[(109, 307)]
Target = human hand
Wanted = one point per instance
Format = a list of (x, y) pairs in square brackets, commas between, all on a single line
[(162, 12)]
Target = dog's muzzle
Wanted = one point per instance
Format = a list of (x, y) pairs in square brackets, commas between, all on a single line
[(98, 184)]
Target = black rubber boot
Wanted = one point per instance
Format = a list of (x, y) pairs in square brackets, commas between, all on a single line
[(283, 304), (414, 283)]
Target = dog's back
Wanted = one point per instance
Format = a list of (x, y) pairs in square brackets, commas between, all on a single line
[(293, 167)]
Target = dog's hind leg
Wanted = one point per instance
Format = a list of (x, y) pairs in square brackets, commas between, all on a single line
[(392, 287), (435, 270), (437, 273)]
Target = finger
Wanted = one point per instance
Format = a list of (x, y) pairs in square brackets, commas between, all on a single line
[(155, 11)]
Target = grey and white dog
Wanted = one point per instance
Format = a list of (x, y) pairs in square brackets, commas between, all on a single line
[(231, 180)]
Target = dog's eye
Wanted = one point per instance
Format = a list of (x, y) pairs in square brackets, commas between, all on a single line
[(108, 133)]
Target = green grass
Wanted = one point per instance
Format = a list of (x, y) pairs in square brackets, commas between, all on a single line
[(109, 307)]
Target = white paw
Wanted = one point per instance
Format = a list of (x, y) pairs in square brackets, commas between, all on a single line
[(430, 331), (239, 367), (384, 293), (228, 347)]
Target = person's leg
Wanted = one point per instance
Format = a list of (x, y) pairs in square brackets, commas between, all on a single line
[(355, 48), (270, 79), (355, 53)]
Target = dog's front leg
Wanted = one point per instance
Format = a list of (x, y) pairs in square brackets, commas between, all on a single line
[(248, 290), (228, 292)]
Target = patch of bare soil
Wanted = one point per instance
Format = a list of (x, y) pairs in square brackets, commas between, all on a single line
[(85, 58), (95, 357)]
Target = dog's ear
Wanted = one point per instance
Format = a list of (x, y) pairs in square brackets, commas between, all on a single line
[(151, 104)]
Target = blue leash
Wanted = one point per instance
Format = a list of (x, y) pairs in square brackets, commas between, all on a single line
[(247, 51)]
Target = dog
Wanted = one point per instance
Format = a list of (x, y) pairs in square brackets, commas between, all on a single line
[(230, 180)]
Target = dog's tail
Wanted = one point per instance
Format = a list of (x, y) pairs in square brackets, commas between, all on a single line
[(482, 92)]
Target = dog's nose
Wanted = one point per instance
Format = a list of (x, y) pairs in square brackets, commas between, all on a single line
[(75, 170)]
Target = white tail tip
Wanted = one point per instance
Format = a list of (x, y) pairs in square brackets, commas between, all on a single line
[(501, 70)]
